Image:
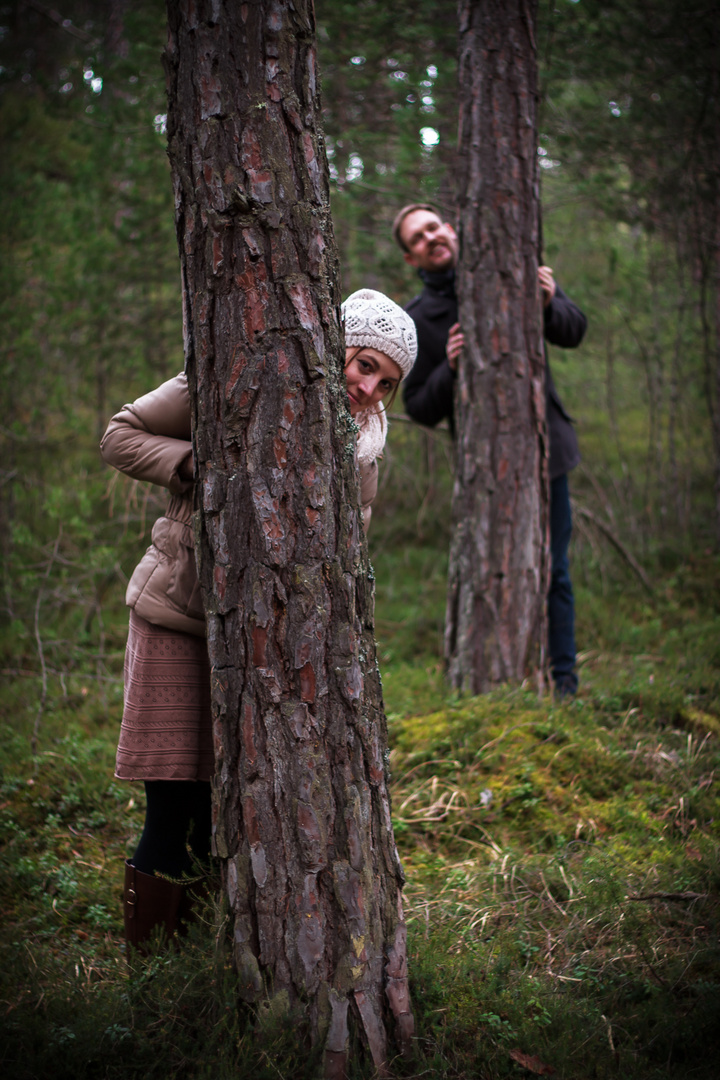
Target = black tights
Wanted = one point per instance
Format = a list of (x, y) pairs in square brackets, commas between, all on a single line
[(177, 815)]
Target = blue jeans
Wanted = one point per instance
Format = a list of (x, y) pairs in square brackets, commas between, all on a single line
[(561, 603)]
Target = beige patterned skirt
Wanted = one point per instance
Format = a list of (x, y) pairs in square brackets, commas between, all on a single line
[(166, 730)]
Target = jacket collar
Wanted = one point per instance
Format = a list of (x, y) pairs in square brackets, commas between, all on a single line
[(441, 282)]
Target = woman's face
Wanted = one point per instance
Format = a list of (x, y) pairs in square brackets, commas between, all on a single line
[(370, 375)]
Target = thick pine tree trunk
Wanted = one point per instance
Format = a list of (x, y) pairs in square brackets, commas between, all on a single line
[(495, 627), (714, 231), (301, 810)]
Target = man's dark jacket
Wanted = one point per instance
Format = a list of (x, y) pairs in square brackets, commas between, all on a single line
[(428, 389)]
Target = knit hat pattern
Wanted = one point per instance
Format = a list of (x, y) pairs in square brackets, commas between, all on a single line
[(374, 321)]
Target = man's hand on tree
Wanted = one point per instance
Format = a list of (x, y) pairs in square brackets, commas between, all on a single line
[(455, 342), (547, 284)]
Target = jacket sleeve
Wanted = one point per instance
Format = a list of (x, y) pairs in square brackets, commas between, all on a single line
[(429, 388), (150, 439), (565, 324)]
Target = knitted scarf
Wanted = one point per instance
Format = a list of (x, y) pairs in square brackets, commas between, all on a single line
[(373, 432)]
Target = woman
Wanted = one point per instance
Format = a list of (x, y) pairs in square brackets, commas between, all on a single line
[(166, 735)]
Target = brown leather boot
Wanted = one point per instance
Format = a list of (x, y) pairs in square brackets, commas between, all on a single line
[(148, 902)]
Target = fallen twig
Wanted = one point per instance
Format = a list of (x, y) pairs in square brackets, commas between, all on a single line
[(678, 896), (617, 543)]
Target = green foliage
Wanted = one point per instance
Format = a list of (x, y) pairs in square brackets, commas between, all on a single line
[(90, 305), (388, 76)]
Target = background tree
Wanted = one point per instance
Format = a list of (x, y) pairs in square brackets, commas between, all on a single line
[(389, 77), (302, 815), (495, 629), (632, 110), (88, 301)]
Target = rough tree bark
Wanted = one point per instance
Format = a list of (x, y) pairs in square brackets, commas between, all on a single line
[(301, 817), (498, 579), (714, 232)]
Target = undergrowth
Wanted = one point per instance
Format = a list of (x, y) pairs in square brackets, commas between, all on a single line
[(562, 861), (562, 888)]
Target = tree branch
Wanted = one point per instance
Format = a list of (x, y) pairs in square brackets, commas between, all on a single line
[(617, 543), (64, 24)]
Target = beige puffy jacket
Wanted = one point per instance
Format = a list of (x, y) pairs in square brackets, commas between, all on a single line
[(150, 440)]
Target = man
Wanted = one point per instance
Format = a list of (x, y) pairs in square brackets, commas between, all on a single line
[(431, 245)]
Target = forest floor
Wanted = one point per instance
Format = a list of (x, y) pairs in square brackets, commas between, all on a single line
[(562, 860)]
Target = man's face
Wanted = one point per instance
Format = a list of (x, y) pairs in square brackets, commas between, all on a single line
[(431, 244)]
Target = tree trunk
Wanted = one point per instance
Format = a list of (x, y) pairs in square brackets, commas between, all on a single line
[(499, 563), (301, 809), (714, 232)]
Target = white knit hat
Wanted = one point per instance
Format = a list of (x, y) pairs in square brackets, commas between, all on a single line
[(377, 322)]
